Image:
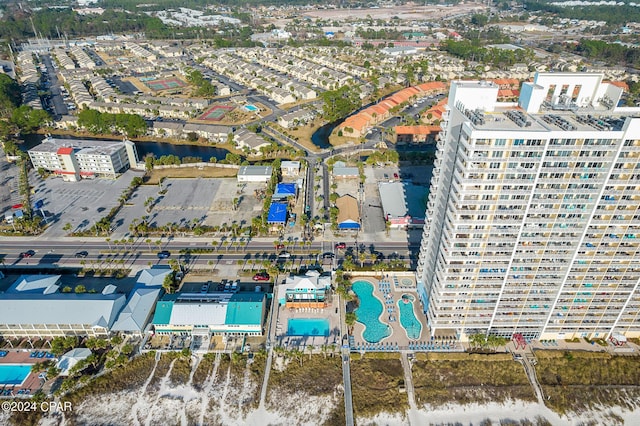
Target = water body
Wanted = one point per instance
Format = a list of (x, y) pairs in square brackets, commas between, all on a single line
[(320, 137), (156, 148)]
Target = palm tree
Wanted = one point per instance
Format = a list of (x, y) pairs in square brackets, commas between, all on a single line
[(350, 319), (108, 240), (148, 241)]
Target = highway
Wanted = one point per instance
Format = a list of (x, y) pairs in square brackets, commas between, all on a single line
[(62, 253)]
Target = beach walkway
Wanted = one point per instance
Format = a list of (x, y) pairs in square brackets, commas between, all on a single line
[(408, 384)]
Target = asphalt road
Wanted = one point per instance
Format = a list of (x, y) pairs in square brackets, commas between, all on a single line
[(62, 253), (59, 105)]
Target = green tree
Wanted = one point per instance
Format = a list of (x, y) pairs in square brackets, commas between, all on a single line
[(10, 97)]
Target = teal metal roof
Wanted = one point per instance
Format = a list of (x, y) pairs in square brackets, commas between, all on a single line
[(163, 312), (245, 309)]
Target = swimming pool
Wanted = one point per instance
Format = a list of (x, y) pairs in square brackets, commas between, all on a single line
[(308, 327), (369, 311), (14, 374), (251, 108), (408, 319)]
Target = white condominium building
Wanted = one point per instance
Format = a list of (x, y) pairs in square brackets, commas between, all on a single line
[(74, 159), (533, 219)]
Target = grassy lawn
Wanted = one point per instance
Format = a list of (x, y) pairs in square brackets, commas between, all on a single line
[(303, 133), (577, 380), (190, 172), (374, 382), (464, 378)]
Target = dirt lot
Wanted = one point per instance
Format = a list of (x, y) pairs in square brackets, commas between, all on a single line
[(191, 172)]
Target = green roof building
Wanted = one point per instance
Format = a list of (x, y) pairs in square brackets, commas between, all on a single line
[(211, 313)]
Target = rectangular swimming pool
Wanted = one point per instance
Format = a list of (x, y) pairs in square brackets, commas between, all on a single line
[(14, 374), (251, 108), (308, 327)]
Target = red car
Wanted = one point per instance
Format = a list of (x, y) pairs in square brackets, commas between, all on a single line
[(341, 246), (261, 276), (279, 246), (28, 253), (395, 176)]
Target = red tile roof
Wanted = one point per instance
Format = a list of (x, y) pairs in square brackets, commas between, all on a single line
[(65, 150)]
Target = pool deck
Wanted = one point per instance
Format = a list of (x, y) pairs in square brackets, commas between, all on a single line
[(398, 337), (32, 383), (279, 333)]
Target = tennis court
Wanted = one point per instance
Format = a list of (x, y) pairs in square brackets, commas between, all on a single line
[(216, 112), (165, 84)]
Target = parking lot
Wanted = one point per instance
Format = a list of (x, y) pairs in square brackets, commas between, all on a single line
[(372, 213), (8, 184), (192, 201), (77, 203)]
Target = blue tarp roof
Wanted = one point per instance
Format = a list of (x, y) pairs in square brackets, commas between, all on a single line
[(277, 213), (285, 190)]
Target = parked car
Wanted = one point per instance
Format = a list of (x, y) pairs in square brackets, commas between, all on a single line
[(164, 254), (261, 276), (341, 246), (328, 255), (395, 176), (28, 253), (82, 254)]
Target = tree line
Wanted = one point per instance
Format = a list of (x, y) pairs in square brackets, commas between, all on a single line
[(618, 14), (15, 118), (96, 122)]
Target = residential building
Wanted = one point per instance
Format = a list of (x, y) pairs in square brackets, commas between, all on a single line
[(290, 168), (245, 139), (532, 218), (35, 306), (74, 159), (304, 291)]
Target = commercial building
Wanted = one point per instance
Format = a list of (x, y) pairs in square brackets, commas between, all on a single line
[(254, 173), (78, 159), (348, 213), (206, 314), (532, 219), (304, 291)]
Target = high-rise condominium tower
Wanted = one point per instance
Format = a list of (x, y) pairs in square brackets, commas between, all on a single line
[(533, 218)]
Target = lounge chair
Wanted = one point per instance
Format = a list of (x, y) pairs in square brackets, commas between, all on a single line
[(40, 354)]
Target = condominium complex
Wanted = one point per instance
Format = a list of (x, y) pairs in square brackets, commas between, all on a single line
[(533, 217), (75, 159)]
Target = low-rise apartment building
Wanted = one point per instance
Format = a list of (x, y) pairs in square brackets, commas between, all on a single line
[(76, 159)]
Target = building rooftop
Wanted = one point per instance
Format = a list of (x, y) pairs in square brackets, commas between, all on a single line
[(80, 146)]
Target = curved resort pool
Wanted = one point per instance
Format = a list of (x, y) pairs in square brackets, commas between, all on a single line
[(369, 312), (408, 319)]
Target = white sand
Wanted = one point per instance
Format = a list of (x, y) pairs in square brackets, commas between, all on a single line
[(225, 400)]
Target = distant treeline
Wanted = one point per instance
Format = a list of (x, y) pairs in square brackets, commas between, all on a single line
[(619, 14), (612, 53)]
